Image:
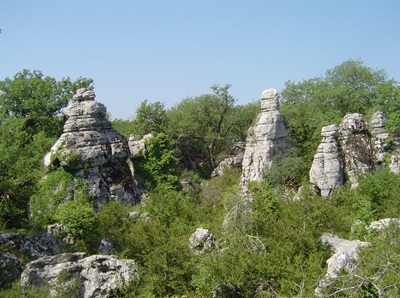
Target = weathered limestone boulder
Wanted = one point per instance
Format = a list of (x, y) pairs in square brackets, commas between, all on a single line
[(138, 147), (79, 275), (28, 246), (345, 257), (382, 224), (355, 140), (327, 168), (202, 241), (228, 163), (16, 247), (91, 149), (358, 149), (385, 144), (265, 140), (234, 161), (379, 136)]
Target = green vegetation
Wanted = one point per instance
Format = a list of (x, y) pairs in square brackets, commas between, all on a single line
[(30, 123), (268, 247)]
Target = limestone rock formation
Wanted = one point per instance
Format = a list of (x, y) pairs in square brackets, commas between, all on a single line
[(228, 163), (384, 143), (28, 246), (77, 275), (345, 257), (15, 247), (202, 241), (355, 140), (327, 169), (233, 162), (353, 149), (138, 147), (265, 140), (91, 149), (381, 224)]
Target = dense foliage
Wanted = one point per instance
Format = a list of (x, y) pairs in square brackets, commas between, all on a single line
[(267, 247), (30, 122)]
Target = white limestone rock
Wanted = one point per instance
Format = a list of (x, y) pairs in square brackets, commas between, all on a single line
[(91, 149), (79, 275), (138, 147), (327, 168), (344, 257), (383, 224), (355, 141), (202, 241), (265, 140)]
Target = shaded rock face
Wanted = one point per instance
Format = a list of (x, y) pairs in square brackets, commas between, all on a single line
[(233, 162), (228, 163), (15, 247), (91, 149), (355, 140), (106, 247), (351, 150), (10, 270), (327, 168), (28, 246), (202, 241), (344, 257), (265, 140), (77, 275)]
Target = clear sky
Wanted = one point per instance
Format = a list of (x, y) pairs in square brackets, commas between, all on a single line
[(167, 50)]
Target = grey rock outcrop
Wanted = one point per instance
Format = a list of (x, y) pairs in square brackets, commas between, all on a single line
[(327, 168), (202, 241), (355, 140), (265, 140), (382, 224), (384, 143), (28, 246), (91, 149), (77, 275), (15, 247), (344, 257), (352, 150), (233, 162), (138, 147), (228, 163), (10, 270), (106, 247)]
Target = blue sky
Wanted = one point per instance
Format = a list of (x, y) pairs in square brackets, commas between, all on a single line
[(168, 50)]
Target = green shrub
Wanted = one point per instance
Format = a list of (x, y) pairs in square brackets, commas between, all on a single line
[(81, 223), (53, 189)]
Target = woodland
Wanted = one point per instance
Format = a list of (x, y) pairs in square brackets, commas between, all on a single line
[(274, 250)]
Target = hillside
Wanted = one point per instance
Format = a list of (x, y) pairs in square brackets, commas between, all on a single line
[(292, 196)]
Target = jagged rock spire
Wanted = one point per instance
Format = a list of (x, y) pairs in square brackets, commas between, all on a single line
[(265, 140)]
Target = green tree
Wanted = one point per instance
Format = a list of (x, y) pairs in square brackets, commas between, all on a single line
[(311, 104), (388, 100), (158, 163), (150, 117), (202, 123), (30, 121)]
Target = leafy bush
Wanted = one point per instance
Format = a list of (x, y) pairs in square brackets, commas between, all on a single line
[(158, 164), (53, 189), (79, 219)]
